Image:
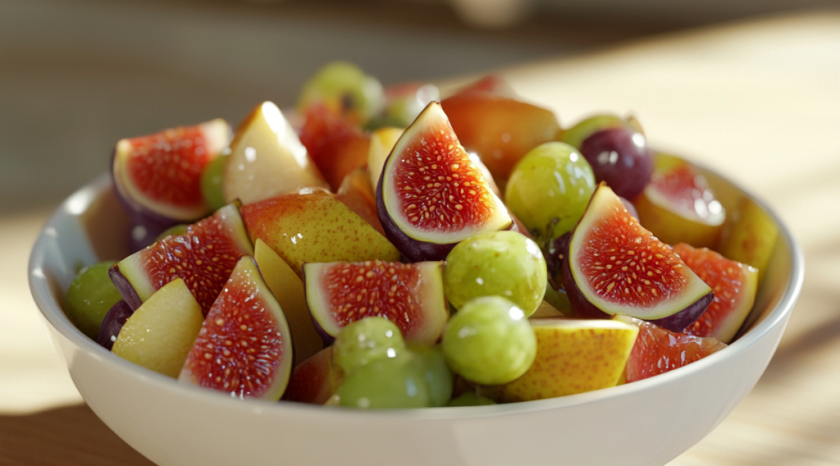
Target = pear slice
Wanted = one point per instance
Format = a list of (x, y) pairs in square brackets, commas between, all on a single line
[(314, 226), (267, 159), (287, 288), (573, 356), (161, 332), (382, 142)]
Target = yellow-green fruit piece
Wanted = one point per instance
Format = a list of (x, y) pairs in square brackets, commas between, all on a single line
[(382, 142), (573, 356), (314, 226), (287, 288), (161, 332), (749, 236)]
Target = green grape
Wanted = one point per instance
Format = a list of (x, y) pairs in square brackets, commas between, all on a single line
[(470, 399), (346, 89), (211, 182), (437, 374), (489, 341), (502, 263), (90, 296), (575, 135), (367, 340), (560, 300), (387, 383), (176, 230), (549, 189)]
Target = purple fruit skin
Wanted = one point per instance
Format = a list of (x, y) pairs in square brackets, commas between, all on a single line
[(113, 323), (412, 249), (677, 322), (152, 222), (130, 296), (680, 321), (584, 309), (621, 157)]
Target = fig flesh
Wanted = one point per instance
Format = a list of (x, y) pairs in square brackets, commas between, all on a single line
[(430, 195), (615, 266), (735, 286), (158, 177), (203, 257), (244, 347), (679, 207), (409, 295)]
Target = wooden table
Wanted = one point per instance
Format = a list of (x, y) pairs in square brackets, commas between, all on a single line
[(759, 101)]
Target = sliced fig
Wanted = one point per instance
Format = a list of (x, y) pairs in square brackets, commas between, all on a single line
[(158, 176), (410, 295), (204, 257), (244, 347), (735, 286), (315, 380), (615, 266), (679, 207), (431, 195), (658, 350)]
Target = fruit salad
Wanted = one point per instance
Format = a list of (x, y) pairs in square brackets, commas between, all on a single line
[(393, 247)]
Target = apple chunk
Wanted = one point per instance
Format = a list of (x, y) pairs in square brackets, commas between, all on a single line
[(161, 332), (267, 159)]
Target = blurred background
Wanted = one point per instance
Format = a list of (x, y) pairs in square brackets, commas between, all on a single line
[(77, 75)]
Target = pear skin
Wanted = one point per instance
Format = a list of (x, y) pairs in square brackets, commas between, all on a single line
[(573, 356), (314, 226)]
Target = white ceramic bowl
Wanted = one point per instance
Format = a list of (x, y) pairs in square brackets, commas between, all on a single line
[(644, 423)]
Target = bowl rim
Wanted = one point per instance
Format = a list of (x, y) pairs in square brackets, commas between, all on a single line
[(81, 200)]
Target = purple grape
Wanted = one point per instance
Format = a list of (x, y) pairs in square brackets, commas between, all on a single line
[(621, 157), (113, 323)]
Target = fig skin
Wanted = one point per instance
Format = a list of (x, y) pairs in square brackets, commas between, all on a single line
[(676, 322)]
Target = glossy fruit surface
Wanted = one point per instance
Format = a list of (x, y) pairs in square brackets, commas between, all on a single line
[(211, 183), (621, 158), (244, 347), (336, 146), (386, 384), (357, 194), (204, 257), (366, 340), (160, 333), (502, 263), (658, 350), (618, 267), (314, 226), (431, 196), (346, 90), (315, 380), (500, 129), (89, 298), (160, 174), (749, 236), (678, 206), (573, 356), (410, 295), (287, 287), (734, 284), (575, 135), (435, 371), (549, 189), (113, 323), (489, 341), (267, 159)]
